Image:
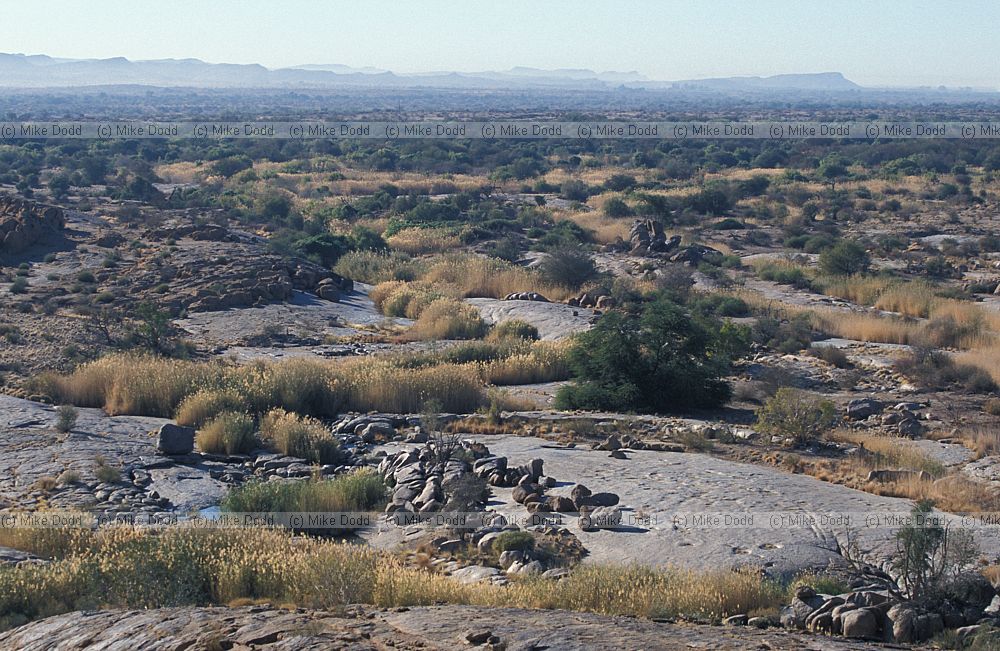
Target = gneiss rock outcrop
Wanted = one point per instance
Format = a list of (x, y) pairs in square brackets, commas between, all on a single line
[(405, 629), (877, 612), (24, 223)]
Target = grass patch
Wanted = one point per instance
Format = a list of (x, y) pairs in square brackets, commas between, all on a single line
[(296, 436), (421, 241), (125, 567), (204, 405), (447, 318), (358, 491), (375, 267), (228, 433), (150, 386)]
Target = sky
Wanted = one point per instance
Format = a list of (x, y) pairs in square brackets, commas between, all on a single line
[(872, 42)]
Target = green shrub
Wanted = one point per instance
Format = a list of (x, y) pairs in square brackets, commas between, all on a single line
[(66, 417), (666, 359), (568, 266), (796, 415), (19, 286), (845, 258), (513, 329), (519, 541), (228, 433), (358, 491)]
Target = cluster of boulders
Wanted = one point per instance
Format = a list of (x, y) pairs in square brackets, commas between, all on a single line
[(419, 477), (647, 237), (903, 418), (596, 301), (526, 296), (876, 612), (617, 444), (24, 223)]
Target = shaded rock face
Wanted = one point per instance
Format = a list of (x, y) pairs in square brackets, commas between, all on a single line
[(217, 269), (24, 223)]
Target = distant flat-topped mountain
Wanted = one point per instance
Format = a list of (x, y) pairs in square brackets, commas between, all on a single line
[(827, 81), (40, 71)]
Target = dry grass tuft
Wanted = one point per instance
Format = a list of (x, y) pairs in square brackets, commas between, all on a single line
[(124, 567), (295, 436), (479, 276), (422, 241), (228, 433), (447, 318), (308, 387)]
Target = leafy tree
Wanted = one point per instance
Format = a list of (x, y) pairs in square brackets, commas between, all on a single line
[(59, 185), (231, 165), (663, 360), (832, 170), (844, 258)]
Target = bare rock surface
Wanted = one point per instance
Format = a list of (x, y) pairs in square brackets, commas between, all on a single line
[(30, 450), (405, 629), (304, 315), (553, 320), (666, 484)]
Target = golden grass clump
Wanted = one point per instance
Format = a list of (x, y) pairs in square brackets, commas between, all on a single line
[(126, 567), (406, 299), (383, 385), (887, 452), (544, 362), (422, 241), (228, 433), (308, 387), (205, 404), (480, 276), (297, 436), (447, 318)]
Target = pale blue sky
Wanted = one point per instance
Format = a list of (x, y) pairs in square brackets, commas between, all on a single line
[(873, 42)]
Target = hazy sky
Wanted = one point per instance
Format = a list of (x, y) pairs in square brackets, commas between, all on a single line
[(951, 42)]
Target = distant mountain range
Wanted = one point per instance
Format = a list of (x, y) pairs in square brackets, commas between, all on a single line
[(40, 71)]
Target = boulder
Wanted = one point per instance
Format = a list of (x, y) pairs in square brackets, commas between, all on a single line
[(174, 439), (903, 620), (598, 499), (524, 493), (861, 408), (578, 494), (560, 504), (862, 623), (605, 517)]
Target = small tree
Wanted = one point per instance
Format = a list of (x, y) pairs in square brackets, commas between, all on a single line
[(796, 415), (666, 359), (444, 444), (844, 259), (569, 266), (928, 552)]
